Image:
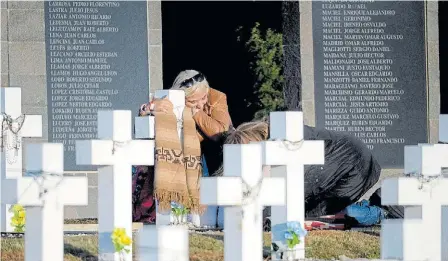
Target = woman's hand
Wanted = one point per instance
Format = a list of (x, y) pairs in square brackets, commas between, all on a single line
[(157, 105), (162, 105), (145, 109), (194, 106)]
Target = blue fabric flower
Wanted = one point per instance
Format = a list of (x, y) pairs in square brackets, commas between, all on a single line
[(288, 235), (294, 227), (293, 233), (175, 205)]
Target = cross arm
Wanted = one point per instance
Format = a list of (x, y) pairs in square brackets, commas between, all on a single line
[(310, 152), (272, 192), (440, 191), (422, 159), (228, 191), (108, 152), (402, 191), (443, 152), (222, 191), (94, 152), (27, 190), (32, 126), (144, 127)]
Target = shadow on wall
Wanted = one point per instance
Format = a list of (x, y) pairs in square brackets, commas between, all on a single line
[(201, 36)]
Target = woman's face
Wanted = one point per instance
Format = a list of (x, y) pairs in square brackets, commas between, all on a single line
[(197, 99)]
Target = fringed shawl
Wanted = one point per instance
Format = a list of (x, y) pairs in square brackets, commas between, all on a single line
[(178, 167)]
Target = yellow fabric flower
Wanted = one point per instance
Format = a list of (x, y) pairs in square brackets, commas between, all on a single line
[(21, 214), (125, 240), (14, 222), (120, 240), (17, 208), (118, 232)]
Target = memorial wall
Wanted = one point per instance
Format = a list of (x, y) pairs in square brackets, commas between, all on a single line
[(370, 73), (97, 59)]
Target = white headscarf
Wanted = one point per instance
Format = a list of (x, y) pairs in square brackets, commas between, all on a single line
[(182, 76)]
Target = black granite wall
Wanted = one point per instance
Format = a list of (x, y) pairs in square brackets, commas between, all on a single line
[(291, 41)]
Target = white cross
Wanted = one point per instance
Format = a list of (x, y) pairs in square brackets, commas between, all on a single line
[(144, 129), (163, 243), (116, 153), (244, 192), (11, 154), (419, 236), (44, 197), (289, 153), (443, 153)]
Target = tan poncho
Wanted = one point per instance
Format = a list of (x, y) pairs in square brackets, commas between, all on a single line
[(178, 167)]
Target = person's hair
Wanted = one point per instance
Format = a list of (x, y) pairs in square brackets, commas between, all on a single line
[(245, 133), (248, 132), (197, 87)]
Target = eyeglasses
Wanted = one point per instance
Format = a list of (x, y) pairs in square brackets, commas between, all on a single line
[(190, 82)]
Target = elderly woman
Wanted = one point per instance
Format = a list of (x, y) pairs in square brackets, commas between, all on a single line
[(210, 113), (349, 171)]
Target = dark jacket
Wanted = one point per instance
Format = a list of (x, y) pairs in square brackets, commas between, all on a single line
[(350, 170)]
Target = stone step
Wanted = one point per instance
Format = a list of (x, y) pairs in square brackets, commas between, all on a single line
[(93, 227)]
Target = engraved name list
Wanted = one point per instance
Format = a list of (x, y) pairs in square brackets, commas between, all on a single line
[(79, 74), (85, 49), (360, 84)]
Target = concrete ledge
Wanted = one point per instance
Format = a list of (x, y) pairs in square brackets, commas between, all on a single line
[(93, 227)]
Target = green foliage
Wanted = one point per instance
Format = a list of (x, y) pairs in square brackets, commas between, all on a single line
[(267, 67), (179, 212), (293, 241)]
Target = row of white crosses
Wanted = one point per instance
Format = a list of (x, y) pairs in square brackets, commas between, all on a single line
[(287, 152), (11, 158), (243, 192), (44, 191), (423, 233), (116, 152)]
